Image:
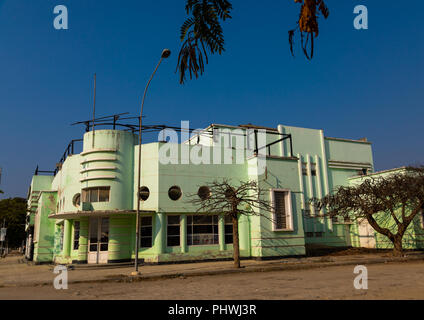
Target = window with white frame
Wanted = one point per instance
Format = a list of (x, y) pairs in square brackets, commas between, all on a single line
[(282, 206)]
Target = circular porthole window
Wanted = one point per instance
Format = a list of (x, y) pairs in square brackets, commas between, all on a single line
[(144, 193), (76, 200), (204, 193), (174, 193)]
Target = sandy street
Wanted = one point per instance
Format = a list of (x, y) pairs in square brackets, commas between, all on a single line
[(386, 281)]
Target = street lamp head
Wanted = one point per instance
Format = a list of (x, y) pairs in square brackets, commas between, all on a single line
[(166, 53)]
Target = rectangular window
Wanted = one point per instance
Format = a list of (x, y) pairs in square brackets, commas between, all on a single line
[(104, 234), (228, 230), (146, 232), (100, 194), (76, 234), (202, 230), (173, 231), (94, 229), (313, 169), (304, 168), (319, 234), (309, 234), (61, 238), (282, 205)]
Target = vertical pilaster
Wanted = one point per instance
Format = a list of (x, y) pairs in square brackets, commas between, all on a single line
[(319, 188), (325, 173), (281, 131), (160, 232), (302, 189), (183, 233), (244, 233), (311, 189), (83, 241), (67, 238), (221, 230)]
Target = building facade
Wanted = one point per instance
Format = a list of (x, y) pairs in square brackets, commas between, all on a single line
[(369, 238), (85, 211)]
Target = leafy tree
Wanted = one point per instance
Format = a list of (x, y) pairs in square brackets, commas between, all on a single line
[(202, 32), (13, 213), (389, 203), (222, 197)]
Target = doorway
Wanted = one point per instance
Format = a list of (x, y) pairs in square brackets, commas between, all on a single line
[(99, 240), (366, 235)]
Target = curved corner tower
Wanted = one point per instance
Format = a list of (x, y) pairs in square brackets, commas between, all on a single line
[(107, 161)]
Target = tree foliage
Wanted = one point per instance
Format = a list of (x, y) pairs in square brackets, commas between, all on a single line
[(13, 213), (389, 200), (202, 33), (307, 25), (224, 197)]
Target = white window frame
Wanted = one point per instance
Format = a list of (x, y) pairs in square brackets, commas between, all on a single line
[(289, 210)]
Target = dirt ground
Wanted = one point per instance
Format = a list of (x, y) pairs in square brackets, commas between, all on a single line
[(386, 281)]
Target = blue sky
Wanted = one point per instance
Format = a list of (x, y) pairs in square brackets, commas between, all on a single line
[(360, 83)]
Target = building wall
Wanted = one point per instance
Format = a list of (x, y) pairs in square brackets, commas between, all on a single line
[(159, 177), (121, 237), (110, 158), (311, 147), (44, 228), (414, 235), (107, 160), (280, 174)]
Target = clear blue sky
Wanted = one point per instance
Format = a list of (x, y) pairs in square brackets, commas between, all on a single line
[(360, 83)]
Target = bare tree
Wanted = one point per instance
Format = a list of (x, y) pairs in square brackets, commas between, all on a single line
[(389, 203), (223, 197)]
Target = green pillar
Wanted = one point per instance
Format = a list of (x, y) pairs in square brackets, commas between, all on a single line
[(244, 234), (183, 232), (221, 230), (83, 241), (160, 231), (67, 238)]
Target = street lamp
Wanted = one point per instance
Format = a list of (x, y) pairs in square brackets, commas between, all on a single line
[(165, 54)]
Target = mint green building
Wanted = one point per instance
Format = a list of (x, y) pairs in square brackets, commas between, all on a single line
[(85, 211), (369, 238)]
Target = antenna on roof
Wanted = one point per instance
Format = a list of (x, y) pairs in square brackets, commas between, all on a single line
[(94, 107)]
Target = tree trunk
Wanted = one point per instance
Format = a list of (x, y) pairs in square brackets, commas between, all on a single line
[(397, 243), (236, 246)]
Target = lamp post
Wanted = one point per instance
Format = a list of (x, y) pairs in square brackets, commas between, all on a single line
[(165, 54)]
